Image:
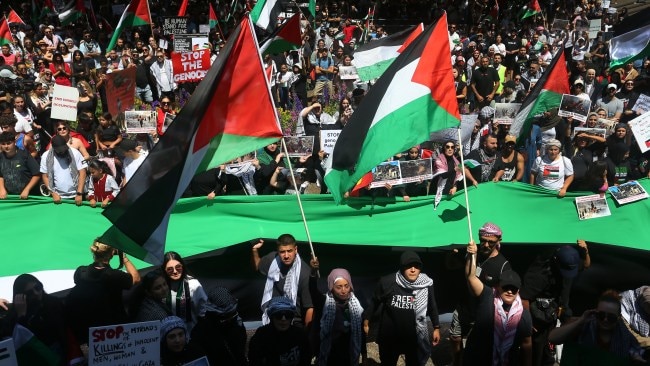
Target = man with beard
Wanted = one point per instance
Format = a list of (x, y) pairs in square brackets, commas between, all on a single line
[(163, 72), (593, 88), (510, 167), (63, 171), (485, 82), (611, 104), (486, 155)]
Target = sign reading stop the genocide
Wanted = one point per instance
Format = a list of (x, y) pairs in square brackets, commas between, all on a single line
[(190, 66)]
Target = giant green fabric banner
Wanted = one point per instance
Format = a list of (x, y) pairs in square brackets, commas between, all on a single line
[(42, 236)]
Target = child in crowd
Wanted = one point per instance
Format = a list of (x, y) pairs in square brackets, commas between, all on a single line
[(104, 187)]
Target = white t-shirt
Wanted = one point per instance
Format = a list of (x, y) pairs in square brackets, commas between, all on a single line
[(551, 174), (25, 120), (131, 165), (63, 184)]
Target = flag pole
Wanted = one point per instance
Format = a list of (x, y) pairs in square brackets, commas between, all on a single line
[(462, 163), (302, 211)]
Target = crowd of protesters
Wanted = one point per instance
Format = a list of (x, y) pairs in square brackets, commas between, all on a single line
[(512, 318)]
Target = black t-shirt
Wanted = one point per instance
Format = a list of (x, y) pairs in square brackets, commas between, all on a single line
[(478, 350), (17, 171), (484, 80), (491, 269), (303, 302), (269, 347), (510, 169)]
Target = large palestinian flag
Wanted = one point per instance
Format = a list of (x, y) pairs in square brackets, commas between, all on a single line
[(412, 99), (629, 47), (218, 124), (373, 58), (136, 14), (546, 95), (265, 14), (286, 37), (74, 10)]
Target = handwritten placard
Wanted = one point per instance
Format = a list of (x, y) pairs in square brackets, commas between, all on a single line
[(64, 103), (125, 344), (328, 139), (175, 25)]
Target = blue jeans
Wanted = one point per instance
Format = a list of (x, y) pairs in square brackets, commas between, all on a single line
[(144, 94)]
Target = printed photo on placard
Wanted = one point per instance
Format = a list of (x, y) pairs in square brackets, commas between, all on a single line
[(348, 73), (300, 145), (573, 106), (642, 104), (591, 207), (607, 125), (140, 121), (628, 192), (386, 173), (169, 118), (589, 131), (559, 24), (505, 113), (416, 170)]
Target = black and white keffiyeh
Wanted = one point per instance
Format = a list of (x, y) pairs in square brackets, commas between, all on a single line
[(327, 322), (290, 283), (420, 288), (633, 312)]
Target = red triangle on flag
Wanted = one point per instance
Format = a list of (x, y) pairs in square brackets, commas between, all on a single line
[(13, 17), (416, 32)]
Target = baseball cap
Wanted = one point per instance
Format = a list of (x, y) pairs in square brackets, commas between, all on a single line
[(568, 260), (610, 86), (510, 138), (409, 257), (59, 145), (578, 81), (509, 278), (6, 73)]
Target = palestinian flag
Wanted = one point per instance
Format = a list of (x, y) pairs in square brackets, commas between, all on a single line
[(533, 9), (72, 12), (216, 125), (373, 58), (632, 22), (136, 14), (213, 18), (412, 99), (183, 9), (630, 46), (286, 37), (494, 12), (265, 14), (546, 95), (5, 33), (312, 8), (13, 17)]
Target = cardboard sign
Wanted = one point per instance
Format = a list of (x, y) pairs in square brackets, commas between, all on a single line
[(175, 25), (64, 103), (594, 27), (573, 106), (505, 113), (299, 145), (328, 140), (190, 66), (348, 73), (8, 353), (140, 121), (125, 344), (120, 86), (190, 42), (640, 127)]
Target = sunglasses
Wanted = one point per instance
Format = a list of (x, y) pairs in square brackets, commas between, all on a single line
[(288, 315), (510, 288), (61, 128), (491, 242), (176, 269), (450, 147), (164, 103), (602, 315), (38, 288)]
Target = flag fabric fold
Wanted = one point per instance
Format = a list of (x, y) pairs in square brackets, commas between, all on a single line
[(183, 8), (413, 98), (265, 14), (630, 46), (286, 37), (533, 9), (212, 19), (545, 95), (373, 58), (13, 17), (5, 33), (72, 12), (136, 14), (217, 125)]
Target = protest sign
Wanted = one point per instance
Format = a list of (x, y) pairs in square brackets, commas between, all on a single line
[(348, 73), (242, 160), (589, 131), (640, 127), (299, 145), (204, 28), (386, 173), (559, 24), (125, 344), (175, 25), (120, 87), (8, 353), (628, 192), (591, 207), (607, 124), (64, 103), (594, 28), (169, 118), (190, 42), (415, 170), (140, 121), (642, 104), (574, 106), (190, 66), (328, 140), (505, 113)]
